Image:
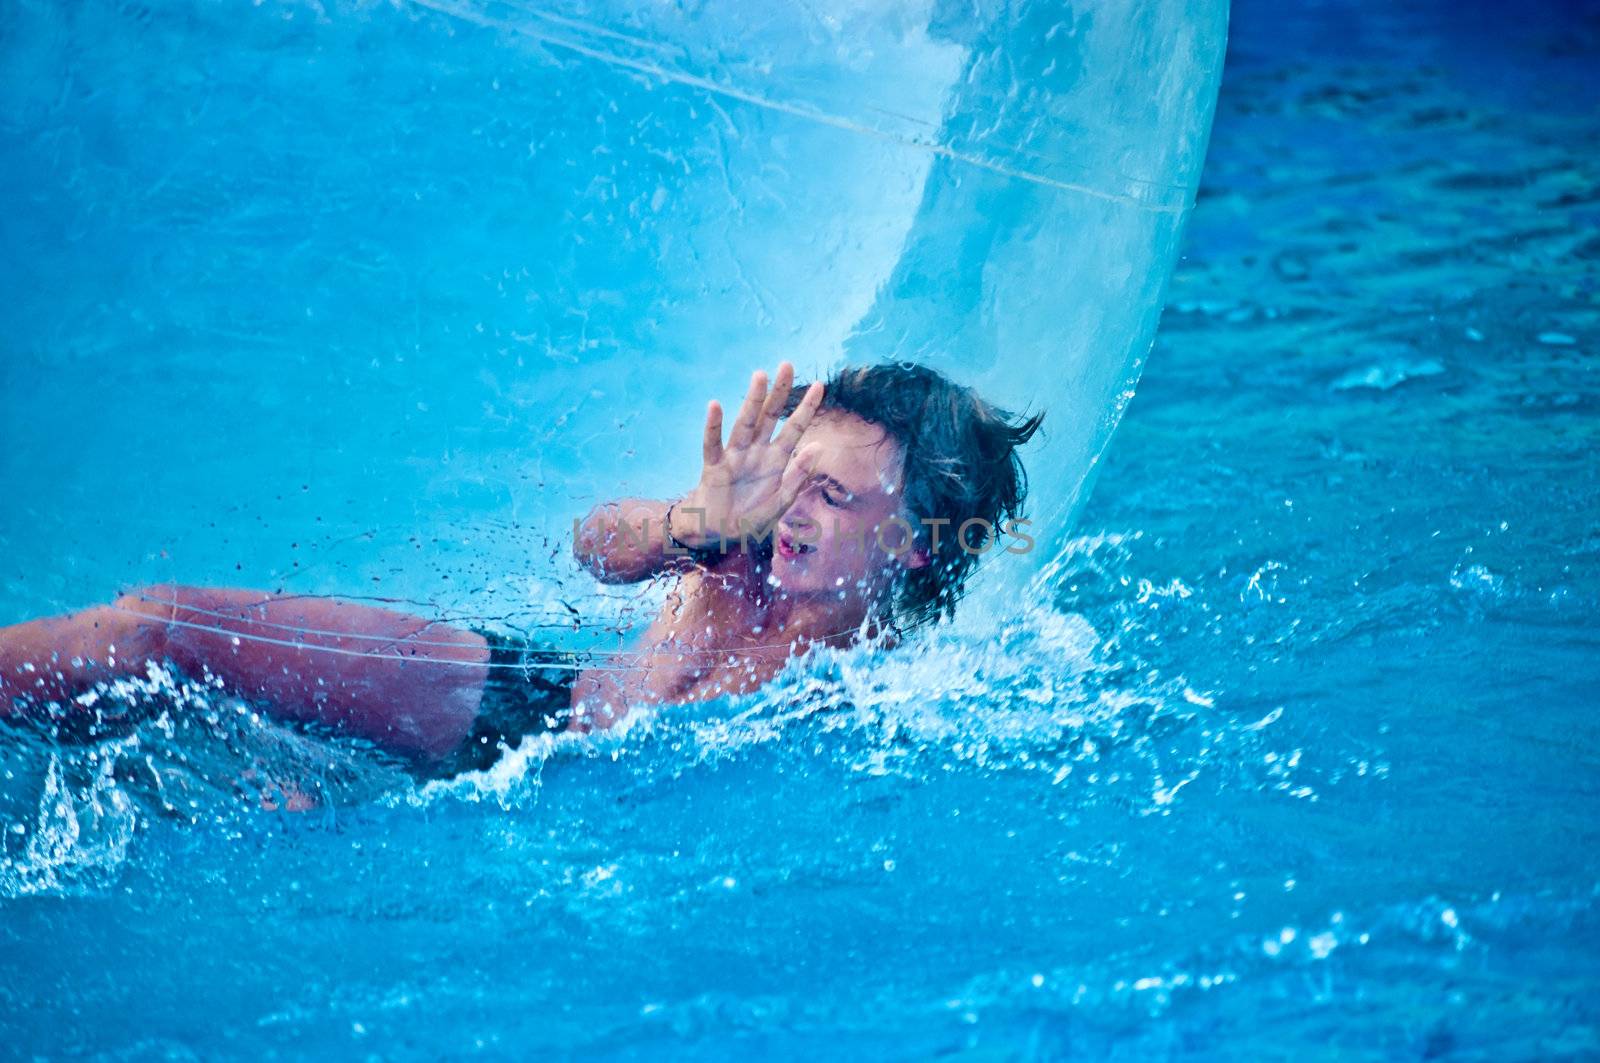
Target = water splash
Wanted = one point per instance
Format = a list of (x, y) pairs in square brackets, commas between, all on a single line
[(1037, 691), (82, 832)]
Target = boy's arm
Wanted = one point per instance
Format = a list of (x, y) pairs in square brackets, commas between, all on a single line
[(629, 541)]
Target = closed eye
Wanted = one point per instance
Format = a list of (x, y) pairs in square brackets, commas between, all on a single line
[(834, 493)]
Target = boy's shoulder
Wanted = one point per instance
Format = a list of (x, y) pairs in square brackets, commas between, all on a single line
[(715, 588)]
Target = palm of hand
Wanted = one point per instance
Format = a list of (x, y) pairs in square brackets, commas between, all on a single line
[(751, 481)]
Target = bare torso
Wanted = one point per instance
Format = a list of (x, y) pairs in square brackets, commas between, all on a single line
[(708, 640)]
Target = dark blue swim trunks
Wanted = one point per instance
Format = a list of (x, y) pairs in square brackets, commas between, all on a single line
[(528, 691)]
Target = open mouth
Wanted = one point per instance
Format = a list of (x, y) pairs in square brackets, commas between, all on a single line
[(789, 549)]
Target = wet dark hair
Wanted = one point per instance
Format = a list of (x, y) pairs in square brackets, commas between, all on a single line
[(961, 463)]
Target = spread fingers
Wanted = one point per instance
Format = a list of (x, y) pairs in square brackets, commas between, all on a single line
[(801, 419)]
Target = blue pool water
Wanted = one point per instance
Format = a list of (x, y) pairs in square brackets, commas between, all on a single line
[(1300, 759)]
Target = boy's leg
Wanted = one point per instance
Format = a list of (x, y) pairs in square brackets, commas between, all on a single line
[(404, 682)]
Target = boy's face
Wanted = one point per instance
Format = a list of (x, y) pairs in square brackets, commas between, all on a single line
[(842, 536)]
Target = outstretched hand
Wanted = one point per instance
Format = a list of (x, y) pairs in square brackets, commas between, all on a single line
[(752, 479)]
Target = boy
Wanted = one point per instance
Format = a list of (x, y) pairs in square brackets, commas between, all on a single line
[(854, 519)]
